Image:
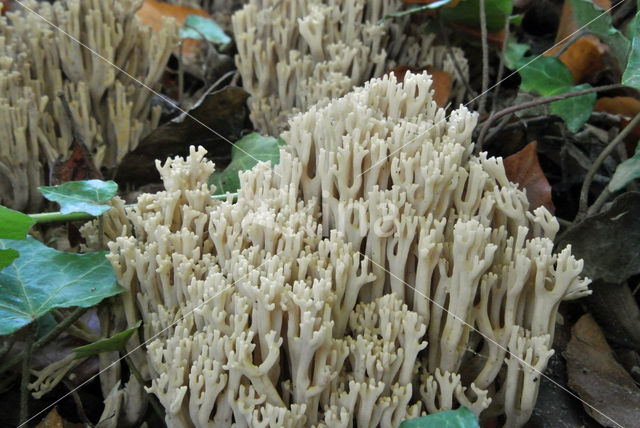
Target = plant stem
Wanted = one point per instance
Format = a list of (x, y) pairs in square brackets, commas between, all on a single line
[(101, 233), (445, 36), (78, 402), (537, 102), (77, 313), (485, 58), (568, 42), (58, 217), (501, 67), (26, 373), (584, 192)]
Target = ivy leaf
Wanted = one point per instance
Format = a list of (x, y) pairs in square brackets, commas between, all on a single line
[(626, 172), (467, 13), (549, 76), (43, 279), (199, 27), (546, 75), (244, 155), (117, 342), (631, 76), (460, 418), (575, 111), (13, 225), (514, 53), (87, 196), (594, 19)]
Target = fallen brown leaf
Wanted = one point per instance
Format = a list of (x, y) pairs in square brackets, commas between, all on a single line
[(152, 13), (596, 376), (627, 108), (54, 420), (441, 85), (583, 57), (524, 169)]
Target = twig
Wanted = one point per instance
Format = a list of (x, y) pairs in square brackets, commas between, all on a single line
[(55, 332), (496, 91), (180, 72), (485, 58), (78, 402), (445, 36), (584, 192), (569, 42), (500, 126), (537, 102), (602, 198), (26, 373)]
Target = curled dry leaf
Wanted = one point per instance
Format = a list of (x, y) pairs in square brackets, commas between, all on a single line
[(442, 81), (524, 169), (596, 376), (567, 25)]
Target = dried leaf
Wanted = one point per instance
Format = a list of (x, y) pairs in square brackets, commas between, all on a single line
[(627, 107), (596, 376), (441, 85), (583, 57), (524, 169), (78, 166), (53, 420), (224, 111), (608, 242)]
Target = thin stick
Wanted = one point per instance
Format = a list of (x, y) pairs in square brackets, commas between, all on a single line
[(55, 332), (485, 58), (496, 91), (584, 192), (180, 73), (537, 102), (569, 41), (26, 373), (499, 127), (78, 402), (602, 198), (445, 36)]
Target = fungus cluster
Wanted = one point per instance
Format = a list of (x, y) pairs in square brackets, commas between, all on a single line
[(293, 54), (378, 272), (38, 62)]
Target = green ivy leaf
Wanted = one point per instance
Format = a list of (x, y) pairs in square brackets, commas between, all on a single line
[(514, 52), (591, 16), (13, 225), (198, 27), (86, 196), (244, 155), (43, 279), (631, 76), (117, 342), (546, 75), (575, 111), (467, 13), (626, 172), (417, 9), (7, 257), (460, 418)]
